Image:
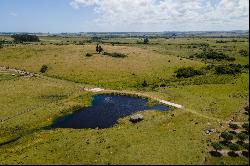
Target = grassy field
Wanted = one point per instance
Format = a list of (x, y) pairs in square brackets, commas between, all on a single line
[(29, 104)]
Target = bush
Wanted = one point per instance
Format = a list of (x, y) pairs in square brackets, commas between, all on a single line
[(88, 55), (242, 136), (146, 41), (234, 147), (215, 153), (244, 52), (44, 68), (232, 154), (186, 72), (216, 146), (245, 146), (245, 153), (246, 126), (19, 38), (227, 136), (144, 83), (211, 54), (228, 69), (233, 126), (115, 54)]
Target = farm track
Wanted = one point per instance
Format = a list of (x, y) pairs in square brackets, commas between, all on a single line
[(94, 90)]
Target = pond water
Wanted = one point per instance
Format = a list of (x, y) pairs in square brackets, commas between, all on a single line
[(106, 109)]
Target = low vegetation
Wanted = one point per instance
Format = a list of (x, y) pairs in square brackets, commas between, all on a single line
[(115, 54)]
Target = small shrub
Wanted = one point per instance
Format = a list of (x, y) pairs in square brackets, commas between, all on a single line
[(186, 72), (245, 146), (233, 126), (246, 126), (88, 55), (244, 52), (245, 153), (144, 83), (242, 136), (217, 146), (211, 54), (234, 147), (228, 69), (227, 136), (44, 68), (232, 154), (145, 40), (115, 54), (215, 153)]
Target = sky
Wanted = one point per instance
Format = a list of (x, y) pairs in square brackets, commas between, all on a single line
[(56, 16)]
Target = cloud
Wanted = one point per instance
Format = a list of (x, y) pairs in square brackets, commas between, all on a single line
[(13, 14), (160, 15)]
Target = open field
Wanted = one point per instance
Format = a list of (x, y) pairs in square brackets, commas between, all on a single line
[(29, 104)]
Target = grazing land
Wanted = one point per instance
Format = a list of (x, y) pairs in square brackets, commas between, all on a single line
[(208, 76)]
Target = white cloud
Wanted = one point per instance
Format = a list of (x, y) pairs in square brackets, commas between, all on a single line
[(13, 14), (160, 15)]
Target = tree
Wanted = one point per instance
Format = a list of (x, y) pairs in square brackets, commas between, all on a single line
[(233, 126), (1, 45), (242, 136), (146, 41), (44, 68), (20, 38), (217, 146), (234, 147), (246, 126), (227, 136)]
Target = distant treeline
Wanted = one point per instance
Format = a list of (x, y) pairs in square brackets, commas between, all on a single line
[(19, 38)]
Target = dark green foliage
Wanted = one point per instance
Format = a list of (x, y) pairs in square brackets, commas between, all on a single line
[(88, 55), (245, 153), (245, 146), (215, 153), (221, 41), (232, 154), (144, 83), (246, 126), (146, 41), (228, 69), (216, 146), (19, 38), (227, 136), (211, 54), (233, 126), (44, 68), (234, 147), (115, 54), (186, 72), (242, 136), (244, 52)]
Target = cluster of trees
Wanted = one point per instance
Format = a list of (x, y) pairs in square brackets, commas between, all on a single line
[(211, 54), (19, 38), (186, 72), (244, 52), (228, 69)]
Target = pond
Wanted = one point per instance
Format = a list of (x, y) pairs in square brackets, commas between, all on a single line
[(106, 109)]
